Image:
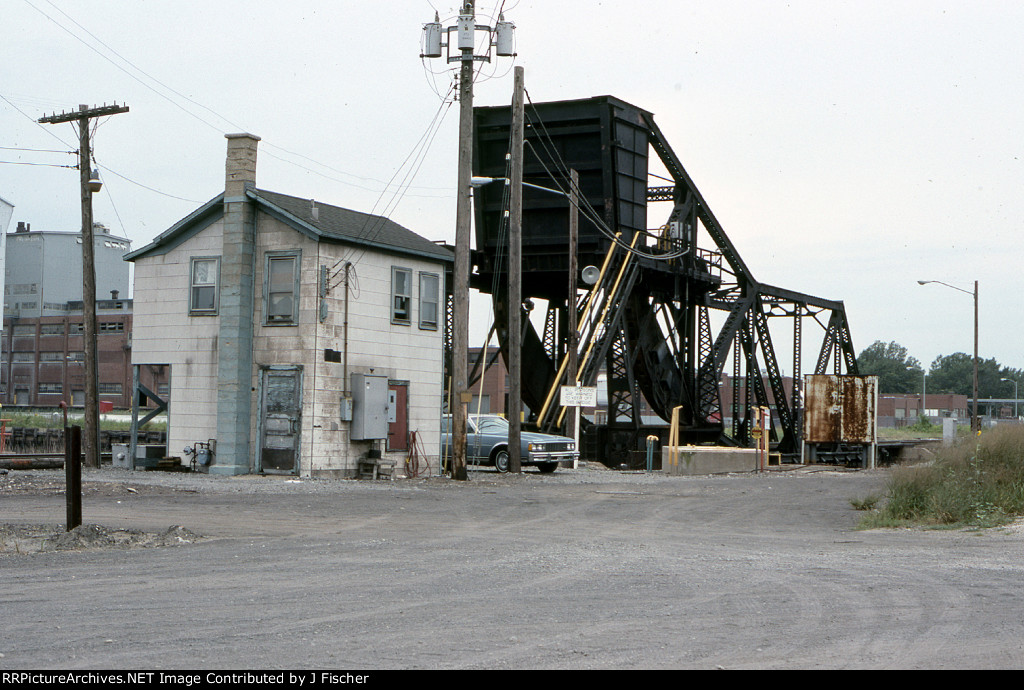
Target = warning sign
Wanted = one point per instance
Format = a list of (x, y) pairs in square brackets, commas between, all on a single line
[(578, 396)]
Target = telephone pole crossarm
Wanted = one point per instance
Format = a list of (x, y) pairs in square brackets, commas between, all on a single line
[(74, 116)]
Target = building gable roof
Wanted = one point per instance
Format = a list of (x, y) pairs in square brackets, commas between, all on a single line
[(327, 224)]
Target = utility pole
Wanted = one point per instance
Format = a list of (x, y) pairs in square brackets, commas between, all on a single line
[(515, 277), (90, 183), (574, 336), (465, 30), (463, 212)]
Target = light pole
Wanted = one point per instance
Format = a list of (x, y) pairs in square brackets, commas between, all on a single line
[(1014, 396), (975, 425), (924, 388)]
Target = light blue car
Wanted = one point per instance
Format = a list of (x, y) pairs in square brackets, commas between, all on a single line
[(487, 444)]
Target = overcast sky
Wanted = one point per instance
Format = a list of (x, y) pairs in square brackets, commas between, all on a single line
[(848, 148)]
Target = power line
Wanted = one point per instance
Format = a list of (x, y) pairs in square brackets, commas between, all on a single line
[(139, 184), (418, 156), (16, 148), (45, 165), (183, 96)]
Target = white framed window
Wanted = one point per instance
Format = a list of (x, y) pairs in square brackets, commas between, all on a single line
[(401, 295), (430, 288), (281, 288), (203, 292)]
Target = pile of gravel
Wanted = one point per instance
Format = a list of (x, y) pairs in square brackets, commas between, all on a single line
[(45, 538)]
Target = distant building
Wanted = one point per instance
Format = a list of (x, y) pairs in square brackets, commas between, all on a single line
[(44, 270), (490, 396), (901, 410), (42, 351), (6, 212)]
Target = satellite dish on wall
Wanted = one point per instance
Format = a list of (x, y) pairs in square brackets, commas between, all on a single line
[(591, 274)]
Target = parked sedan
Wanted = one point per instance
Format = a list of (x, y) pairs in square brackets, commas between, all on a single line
[(487, 444)]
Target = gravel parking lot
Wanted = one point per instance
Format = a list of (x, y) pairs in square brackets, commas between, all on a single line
[(582, 569)]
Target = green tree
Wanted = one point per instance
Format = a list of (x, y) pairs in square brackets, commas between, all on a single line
[(955, 374), (896, 370)]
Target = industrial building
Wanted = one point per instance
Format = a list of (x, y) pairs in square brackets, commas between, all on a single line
[(42, 350)]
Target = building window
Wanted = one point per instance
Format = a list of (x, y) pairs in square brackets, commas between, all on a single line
[(51, 356), (24, 357), (281, 288), (51, 329), (51, 388), (111, 327), (401, 295), (110, 389), (23, 330), (430, 284), (203, 288)]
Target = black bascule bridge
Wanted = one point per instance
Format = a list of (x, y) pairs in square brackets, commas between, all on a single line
[(666, 311)]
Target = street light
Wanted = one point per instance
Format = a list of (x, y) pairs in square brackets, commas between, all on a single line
[(1014, 395), (477, 181), (975, 426)]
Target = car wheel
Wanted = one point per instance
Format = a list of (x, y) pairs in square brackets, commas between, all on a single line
[(547, 467), (501, 460)]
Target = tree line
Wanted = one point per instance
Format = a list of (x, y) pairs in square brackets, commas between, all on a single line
[(898, 372)]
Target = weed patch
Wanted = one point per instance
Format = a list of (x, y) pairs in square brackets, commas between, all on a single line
[(979, 483)]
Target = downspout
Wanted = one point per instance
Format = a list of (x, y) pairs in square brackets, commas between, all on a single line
[(344, 361), (316, 337)]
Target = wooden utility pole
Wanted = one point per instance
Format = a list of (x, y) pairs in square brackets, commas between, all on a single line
[(574, 336), (460, 289), (91, 442), (515, 277)]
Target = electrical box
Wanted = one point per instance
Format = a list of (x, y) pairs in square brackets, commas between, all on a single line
[(369, 407)]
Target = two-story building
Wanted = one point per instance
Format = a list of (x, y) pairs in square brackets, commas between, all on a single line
[(273, 312)]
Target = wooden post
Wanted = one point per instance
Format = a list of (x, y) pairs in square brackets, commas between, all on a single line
[(574, 336), (515, 277), (73, 475)]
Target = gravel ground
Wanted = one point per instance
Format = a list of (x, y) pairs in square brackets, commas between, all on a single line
[(583, 569)]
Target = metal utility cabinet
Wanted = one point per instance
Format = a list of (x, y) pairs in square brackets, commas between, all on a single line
[(369, 407)]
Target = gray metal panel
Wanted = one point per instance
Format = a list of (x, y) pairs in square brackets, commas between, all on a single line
[(369, 407), (44, 269)]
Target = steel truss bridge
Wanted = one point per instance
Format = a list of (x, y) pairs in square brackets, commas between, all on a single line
[(673, 309)]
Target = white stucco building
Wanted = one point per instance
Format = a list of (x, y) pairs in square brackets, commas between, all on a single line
[(269, 309)]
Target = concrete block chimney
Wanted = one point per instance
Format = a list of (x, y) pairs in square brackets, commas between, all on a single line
[(241, 164), (237, 292)]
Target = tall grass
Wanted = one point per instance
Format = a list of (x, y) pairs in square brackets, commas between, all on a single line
[(979, 482)]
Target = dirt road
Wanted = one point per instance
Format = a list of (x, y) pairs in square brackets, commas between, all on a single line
[(584, 569)]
